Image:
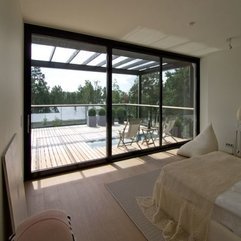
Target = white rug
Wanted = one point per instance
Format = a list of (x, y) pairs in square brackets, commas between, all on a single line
[(125, 192)]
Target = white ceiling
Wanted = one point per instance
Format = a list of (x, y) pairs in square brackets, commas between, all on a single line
[(192, 27)]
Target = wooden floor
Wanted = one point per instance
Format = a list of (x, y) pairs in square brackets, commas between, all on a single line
[(58, 146), (96, 216)]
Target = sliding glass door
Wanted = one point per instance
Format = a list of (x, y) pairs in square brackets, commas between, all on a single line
[(68, 102), (91, 101)]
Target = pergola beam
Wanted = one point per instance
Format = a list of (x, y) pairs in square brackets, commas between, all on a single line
[(57, 65)]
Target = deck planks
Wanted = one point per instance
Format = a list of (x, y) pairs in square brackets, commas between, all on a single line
[(59, 146)]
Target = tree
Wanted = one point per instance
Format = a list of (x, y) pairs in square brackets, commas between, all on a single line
[(133, 92), (118, 96), (99, 96), (57, 95), (150, 84), (85, 94), (150, 87), (177, 90), (40, 90), (70, 97)]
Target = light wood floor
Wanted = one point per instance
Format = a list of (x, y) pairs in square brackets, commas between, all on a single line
[(96, 216)]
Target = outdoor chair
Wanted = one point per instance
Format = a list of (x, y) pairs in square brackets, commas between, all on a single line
[(166, 129), (130, 133)]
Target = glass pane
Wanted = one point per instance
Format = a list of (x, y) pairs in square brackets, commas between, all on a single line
[(68, 120), (41, 52), (62, 55), (150, 99), (135, 99), (178, 101)]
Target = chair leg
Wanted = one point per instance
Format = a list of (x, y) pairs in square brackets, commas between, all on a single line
[(121, 140), (137, 141), (173, 138), (121, 143), (166, 135), (138, 144)]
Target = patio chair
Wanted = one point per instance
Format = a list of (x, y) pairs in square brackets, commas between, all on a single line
[(129, 133), (166, 129)]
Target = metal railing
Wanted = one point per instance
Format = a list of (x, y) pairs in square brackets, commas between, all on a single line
[(77, 114)]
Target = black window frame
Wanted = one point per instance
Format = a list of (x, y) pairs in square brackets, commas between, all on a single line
[(30, 29)]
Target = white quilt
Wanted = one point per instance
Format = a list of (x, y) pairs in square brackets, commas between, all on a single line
[(228, 208), (189, 193)]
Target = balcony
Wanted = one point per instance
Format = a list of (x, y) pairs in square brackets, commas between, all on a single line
[(60, 135)]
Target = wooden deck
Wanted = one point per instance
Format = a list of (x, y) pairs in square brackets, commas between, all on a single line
[(60, 146)]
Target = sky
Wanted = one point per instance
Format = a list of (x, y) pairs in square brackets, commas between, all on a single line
[(70, 80)]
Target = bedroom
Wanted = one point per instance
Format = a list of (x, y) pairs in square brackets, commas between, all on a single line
[(220, 74)]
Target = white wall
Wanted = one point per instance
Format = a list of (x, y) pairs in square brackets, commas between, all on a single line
[(221, 93), (11, 83)]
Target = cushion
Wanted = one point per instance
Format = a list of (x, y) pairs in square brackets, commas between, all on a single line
[(204, 143)]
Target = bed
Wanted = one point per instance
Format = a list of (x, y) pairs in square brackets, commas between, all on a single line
[(198, 198)]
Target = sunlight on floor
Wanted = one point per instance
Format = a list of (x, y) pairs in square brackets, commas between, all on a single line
[(60, 179), (129, 163), (98, 170)]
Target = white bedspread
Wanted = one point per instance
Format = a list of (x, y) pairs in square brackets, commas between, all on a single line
[(228, 208), (189, 193), (231, 199)]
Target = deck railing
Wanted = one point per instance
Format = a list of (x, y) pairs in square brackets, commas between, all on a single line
[(77, 114)]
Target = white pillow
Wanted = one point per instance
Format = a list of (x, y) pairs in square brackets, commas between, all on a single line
[(204, 143)]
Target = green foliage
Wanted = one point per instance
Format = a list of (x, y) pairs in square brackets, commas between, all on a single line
[(118, 96), (178, 89), (57, 122), (89, 94), (101, 112), (45, 121), (40, 90), (41, 93), (150, 88), (57, 95), (92, 112), (70, 97), (133, 93), (121, 114), (85, 94), (150, 84)]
